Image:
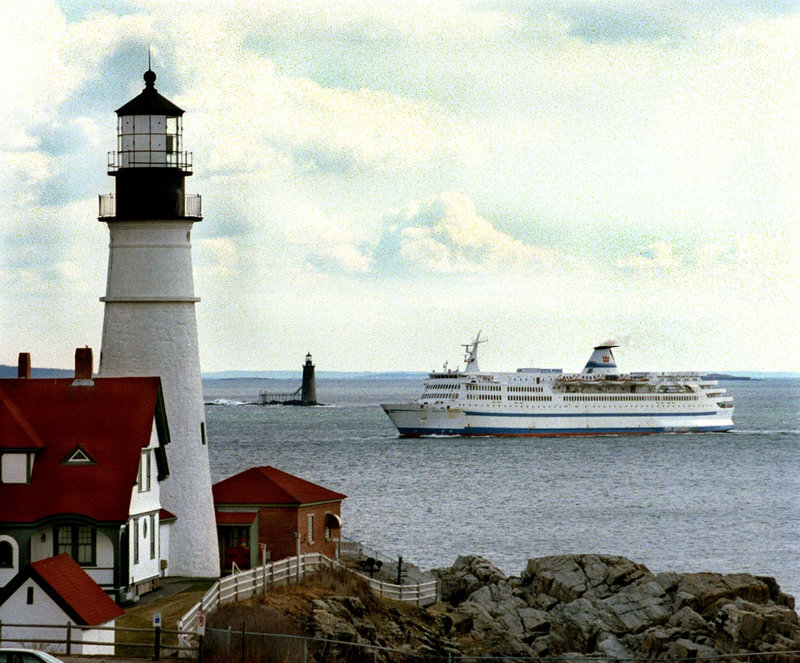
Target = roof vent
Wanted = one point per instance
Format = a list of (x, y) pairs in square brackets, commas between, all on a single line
[(84, 363)]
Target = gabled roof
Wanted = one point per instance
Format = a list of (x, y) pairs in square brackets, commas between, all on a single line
[(111, 420), (73, 590), (267, 485)]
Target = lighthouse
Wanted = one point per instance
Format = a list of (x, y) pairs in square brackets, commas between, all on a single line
[(149, 324)]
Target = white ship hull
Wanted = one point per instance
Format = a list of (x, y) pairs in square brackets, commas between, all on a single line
[(545, 402), (415, 420)]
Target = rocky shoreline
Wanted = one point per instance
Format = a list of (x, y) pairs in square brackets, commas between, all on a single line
[(561, 608), (612, 607)]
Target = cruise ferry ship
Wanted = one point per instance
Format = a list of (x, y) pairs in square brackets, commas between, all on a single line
[(600, 400)]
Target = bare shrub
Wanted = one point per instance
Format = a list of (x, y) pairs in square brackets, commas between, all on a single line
[(341, 581), (229, 646)]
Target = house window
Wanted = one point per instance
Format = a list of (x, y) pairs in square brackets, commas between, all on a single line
[(311, 528), (6, 555), (30, 595), (135, 538), (78, 541), (153, 531), (144, 472)]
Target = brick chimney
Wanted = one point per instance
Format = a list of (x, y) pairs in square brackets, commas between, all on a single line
[(24, 366), (84, 363)]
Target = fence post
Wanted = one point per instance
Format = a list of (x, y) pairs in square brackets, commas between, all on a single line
[(69, 638), (157, 652), (305, 650), (1, 631), (229, 639)]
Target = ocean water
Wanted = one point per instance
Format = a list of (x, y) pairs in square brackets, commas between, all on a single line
[(725, 502)]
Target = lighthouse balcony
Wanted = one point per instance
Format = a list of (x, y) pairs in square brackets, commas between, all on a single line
[(192, 206), (149, 158)]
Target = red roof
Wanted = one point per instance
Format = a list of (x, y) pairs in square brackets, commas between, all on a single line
[(163, 514), (235, 517), (111, 421), (266, 485), (77, 591)]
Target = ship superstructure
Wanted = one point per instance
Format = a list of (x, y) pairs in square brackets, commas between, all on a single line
[(600, 400)]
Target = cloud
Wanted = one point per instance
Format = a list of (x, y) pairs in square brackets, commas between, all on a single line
[(446, 235), (656, 256), (219, 255), (327, 242), (617, 21)]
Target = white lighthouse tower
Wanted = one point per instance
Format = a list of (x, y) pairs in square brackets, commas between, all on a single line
[(149, 327)]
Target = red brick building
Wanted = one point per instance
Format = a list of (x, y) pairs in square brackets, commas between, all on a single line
[(264, 508)]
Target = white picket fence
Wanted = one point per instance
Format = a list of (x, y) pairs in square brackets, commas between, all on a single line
[(247, 583)]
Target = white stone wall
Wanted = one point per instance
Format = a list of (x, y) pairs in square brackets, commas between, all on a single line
[(150, 328)]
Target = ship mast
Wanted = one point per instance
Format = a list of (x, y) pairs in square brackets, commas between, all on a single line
[(471, 354)]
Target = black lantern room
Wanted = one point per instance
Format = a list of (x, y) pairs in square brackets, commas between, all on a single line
[(150, 164)]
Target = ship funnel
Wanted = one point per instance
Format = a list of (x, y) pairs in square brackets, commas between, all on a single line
[(602, 361)]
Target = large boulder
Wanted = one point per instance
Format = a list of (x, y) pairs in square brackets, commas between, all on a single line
[(710, 590), (468, 573), (575, 626), (570, 577)]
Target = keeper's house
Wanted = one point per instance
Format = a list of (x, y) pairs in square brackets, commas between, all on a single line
[(56, 591), (80, 465), (266, 511)]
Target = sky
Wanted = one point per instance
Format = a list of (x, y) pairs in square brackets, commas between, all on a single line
[(381, 180)]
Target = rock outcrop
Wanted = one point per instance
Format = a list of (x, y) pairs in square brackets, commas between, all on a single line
[(615, 608)]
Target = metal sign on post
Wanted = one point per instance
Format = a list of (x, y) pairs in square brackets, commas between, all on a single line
[(156, 619), (201, 623)]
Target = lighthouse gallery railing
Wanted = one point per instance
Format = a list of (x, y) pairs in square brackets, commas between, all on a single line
[(192, 205)]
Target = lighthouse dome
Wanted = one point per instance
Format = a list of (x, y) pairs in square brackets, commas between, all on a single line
[(149, 101)]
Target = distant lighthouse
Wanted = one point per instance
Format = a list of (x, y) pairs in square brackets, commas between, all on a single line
[(308, 392), (149, 327)]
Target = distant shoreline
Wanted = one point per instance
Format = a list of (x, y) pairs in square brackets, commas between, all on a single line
[(11, 372)]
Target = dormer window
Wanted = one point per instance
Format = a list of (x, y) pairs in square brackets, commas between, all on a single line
[(16, 467)]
